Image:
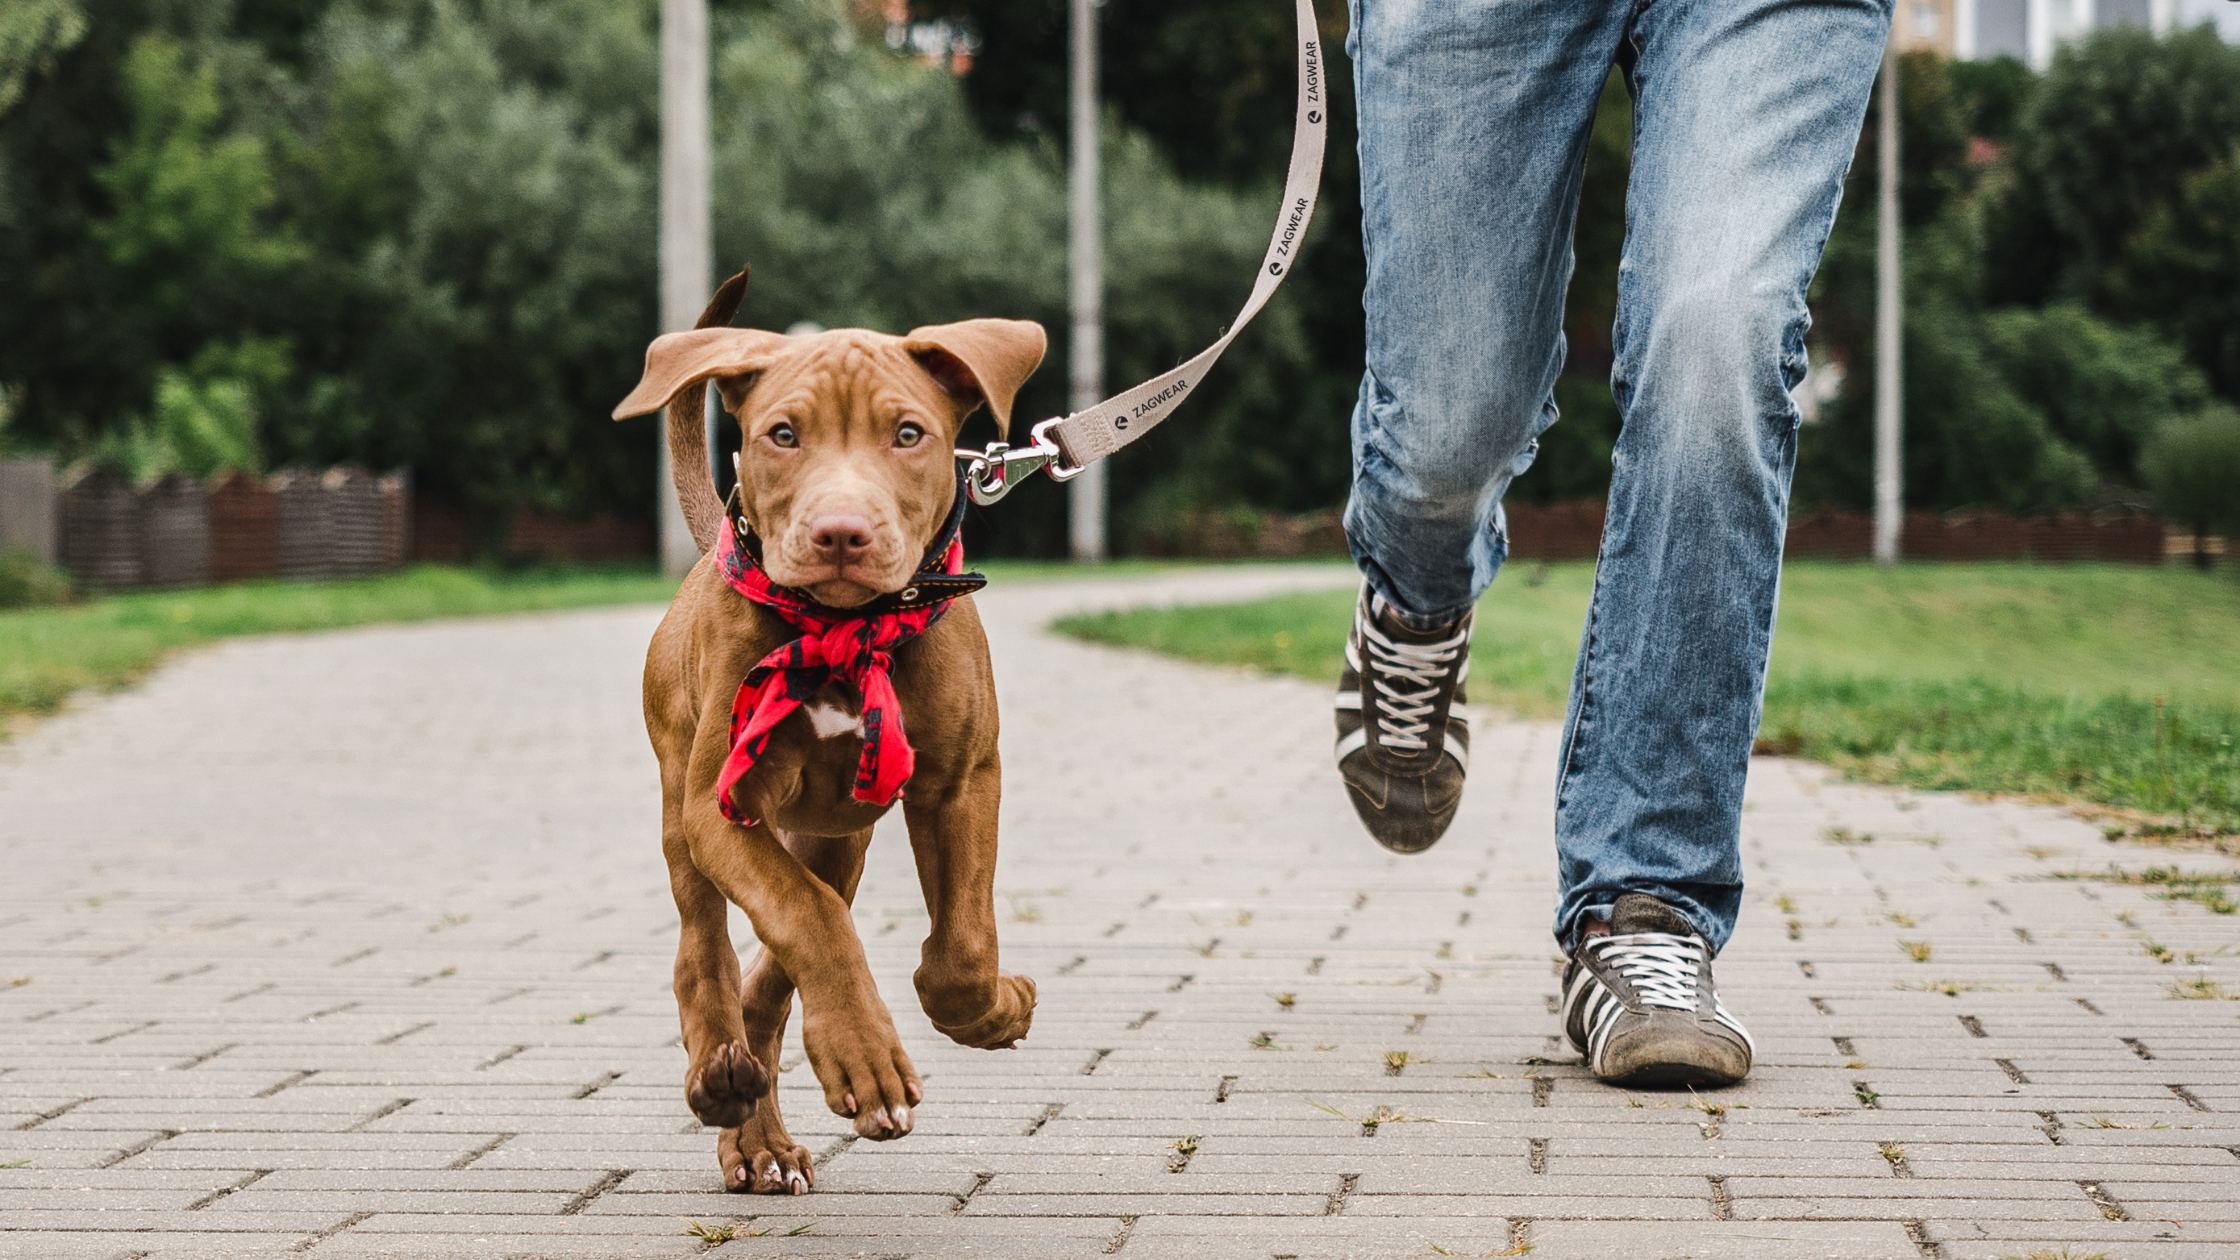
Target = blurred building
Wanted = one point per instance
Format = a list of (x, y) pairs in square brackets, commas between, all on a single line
[(2029, 29)]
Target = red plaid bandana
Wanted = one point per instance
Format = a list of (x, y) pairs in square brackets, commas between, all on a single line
[(851, 645)]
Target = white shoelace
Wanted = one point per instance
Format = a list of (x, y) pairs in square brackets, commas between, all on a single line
[(1404, 715), (1661, 967)]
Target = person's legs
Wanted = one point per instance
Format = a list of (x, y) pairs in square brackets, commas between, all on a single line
[(1474, 117), (1746, 115)]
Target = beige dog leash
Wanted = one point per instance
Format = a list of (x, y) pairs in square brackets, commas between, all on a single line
[(1066, 445)]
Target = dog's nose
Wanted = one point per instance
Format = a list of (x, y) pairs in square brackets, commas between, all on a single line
[(840, 539)]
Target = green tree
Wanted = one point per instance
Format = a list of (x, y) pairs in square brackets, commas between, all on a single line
[(2182, 271), (32, 33), (2121, 122), (2193, 464), (192, 201), (481, 182), (2102, 388), (1972, 439)]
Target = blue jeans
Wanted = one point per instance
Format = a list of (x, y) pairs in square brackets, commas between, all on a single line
[(1474, 118)]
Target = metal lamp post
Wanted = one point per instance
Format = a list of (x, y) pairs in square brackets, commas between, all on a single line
[(687, 252), (1086, 493), (1889, 328)]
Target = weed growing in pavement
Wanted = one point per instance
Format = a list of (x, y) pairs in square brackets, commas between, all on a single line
[(1916, 950), (1954, 988), (1893, 1152), (1285, 1000), (2158, 951), (1267, 1041), (2104, 1122), (1785, 903), (2209, 888), (710, 1233), (2200, 989), (1383, 1115), (1866, 1097), (18, 1163), (1845, 835), (1903, 920)]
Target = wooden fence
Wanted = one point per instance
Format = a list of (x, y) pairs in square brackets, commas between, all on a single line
[(181, 531)]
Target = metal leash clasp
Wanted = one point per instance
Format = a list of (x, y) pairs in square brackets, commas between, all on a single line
[(995, 472)]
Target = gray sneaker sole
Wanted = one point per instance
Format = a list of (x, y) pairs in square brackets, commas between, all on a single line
[(1673, 1050)]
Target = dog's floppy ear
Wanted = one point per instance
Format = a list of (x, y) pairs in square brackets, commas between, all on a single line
[(678, 361), (981, 359)]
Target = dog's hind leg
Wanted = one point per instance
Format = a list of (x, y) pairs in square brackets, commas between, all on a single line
[(758, 1154), (969, 998)]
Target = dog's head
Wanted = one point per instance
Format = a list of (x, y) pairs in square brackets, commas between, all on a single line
[(846, 465)]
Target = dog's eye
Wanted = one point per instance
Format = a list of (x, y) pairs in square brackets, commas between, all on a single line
[(909, 435), (782, 434)]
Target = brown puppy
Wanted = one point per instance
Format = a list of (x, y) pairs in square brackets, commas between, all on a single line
[(846, 476)]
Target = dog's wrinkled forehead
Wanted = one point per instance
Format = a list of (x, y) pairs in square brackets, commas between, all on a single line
[(844, 374)]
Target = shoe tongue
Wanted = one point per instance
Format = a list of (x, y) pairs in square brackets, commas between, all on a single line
[(1640, 912), (1388, 620)]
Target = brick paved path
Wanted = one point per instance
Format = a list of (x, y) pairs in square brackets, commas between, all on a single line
[(358, 944)]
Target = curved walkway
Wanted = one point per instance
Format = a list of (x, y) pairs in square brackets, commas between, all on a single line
[(357, 944)]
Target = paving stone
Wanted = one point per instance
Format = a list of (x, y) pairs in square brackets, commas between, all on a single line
[(372, 959)]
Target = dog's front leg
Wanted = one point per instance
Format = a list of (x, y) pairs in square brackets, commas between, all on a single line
[(805, 927), (969, 998), (759, 1155)]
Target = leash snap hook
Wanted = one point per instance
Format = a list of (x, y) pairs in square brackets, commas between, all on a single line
[(993, 473)]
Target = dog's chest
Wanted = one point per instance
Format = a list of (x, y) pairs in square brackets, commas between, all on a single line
[(830, 719)]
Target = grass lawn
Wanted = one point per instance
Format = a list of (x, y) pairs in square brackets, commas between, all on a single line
[(2036, 679), (46, 654)]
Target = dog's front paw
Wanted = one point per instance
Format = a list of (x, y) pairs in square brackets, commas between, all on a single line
[(865, 1074), (759, 1157), (990, 1017), (723, 1087)]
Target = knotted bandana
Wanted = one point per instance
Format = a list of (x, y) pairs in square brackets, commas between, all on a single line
[(850, 645)]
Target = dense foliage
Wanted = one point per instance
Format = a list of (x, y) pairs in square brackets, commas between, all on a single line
[(248, 233), (2032, 382)]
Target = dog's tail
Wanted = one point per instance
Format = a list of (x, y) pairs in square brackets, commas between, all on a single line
[(679, 366), (688, 433)]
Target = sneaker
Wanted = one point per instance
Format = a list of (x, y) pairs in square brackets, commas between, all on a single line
[(1403, 739), (1640, 1006)]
